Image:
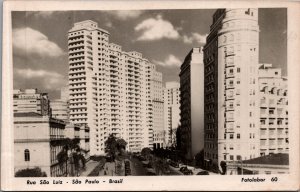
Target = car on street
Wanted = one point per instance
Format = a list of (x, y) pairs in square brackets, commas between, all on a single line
[(186, 171), (203, 173), (173, 164)]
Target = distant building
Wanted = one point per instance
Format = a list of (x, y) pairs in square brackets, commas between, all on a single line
[(158, 108), (192, 103), (231, 87), (30, 100), (60, 110), (64, 93), (37, 142), (158, 139), (274, 128), (171, 112)]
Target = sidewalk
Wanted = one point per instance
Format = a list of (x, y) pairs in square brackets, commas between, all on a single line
[(90, 166)]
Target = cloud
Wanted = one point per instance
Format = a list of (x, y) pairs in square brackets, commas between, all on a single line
[(108, 24), (156, 28), (48, 79), (195, 37), (170, 61), (126, 14), (29, 41), (45, 14)]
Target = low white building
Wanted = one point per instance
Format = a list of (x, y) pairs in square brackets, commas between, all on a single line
[(37, 141), (274, 125)]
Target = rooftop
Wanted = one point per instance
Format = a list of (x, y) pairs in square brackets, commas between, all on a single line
[(272, 159)]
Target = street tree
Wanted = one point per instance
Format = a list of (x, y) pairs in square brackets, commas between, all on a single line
[(146, 152), (70, 147), (111, 146)]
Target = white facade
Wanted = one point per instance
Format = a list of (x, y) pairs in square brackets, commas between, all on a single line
[(231, 87), (171, 112), (109, 89), (274, 128), (192, 102), (33, 137), (30, 100)]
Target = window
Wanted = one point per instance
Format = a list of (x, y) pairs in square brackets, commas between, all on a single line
[(231, 136), (238, 70), (27, 155), (238, 136), (231, 157)]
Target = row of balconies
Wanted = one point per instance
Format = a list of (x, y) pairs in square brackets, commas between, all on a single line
[(76, 44), (78, 48)]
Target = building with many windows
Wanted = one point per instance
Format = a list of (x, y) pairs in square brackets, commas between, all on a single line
[(274, 128), (60, 109), (192, 103), (171, 112), (231, 87), (109, 89), (158, 108), (30, 100), (37, 141)]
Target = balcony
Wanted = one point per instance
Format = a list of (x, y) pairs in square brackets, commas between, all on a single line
[(229, 75)]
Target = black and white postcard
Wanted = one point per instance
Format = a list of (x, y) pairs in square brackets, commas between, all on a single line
[(150, 95)]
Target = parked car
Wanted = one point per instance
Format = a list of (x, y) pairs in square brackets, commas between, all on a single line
[(188, 172), (203, 173), (150, 173), (183, 169), (174, 164)]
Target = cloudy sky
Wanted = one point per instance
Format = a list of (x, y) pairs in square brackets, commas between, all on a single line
[(164, 37)]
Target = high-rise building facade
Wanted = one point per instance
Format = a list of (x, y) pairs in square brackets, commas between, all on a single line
[(171, 112), (158, 108), (231, 87), (274, 128), (192, 103), (30, 100), (109, 89)]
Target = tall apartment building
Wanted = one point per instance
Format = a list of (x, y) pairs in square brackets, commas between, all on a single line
[(171, 112), (109, 89), (158, 108), (192, 103), (30, 100), (274, 128), (231, 87)]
